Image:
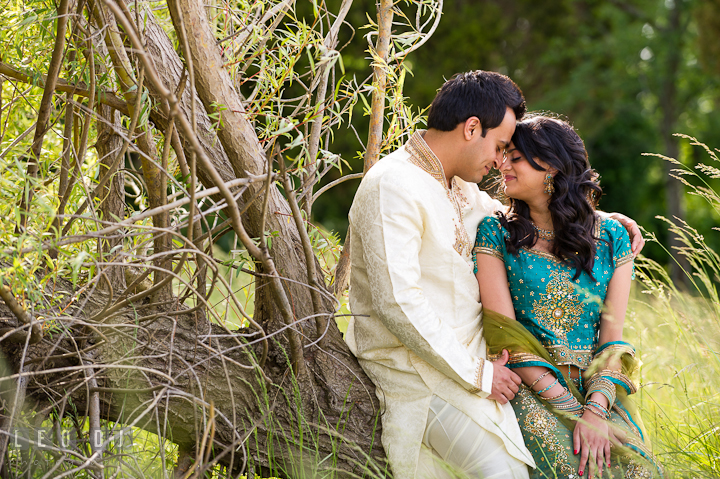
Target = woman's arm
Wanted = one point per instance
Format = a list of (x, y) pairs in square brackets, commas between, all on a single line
[(616, 301), (495, 295), (611, 329), (493, 282)]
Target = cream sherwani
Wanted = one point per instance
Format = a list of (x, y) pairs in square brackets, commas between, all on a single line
[(417, 324)]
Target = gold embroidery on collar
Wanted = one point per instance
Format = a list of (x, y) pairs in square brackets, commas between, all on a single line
[(423, 157)]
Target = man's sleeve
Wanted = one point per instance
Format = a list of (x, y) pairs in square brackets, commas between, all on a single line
[(391, 229)]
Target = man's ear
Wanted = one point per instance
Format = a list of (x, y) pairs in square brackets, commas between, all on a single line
[(471, 128)]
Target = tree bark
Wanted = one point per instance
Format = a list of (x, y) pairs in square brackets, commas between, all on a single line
[(164, 367), (181, 363)]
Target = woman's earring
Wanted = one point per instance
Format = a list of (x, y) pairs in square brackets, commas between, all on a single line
[(549, 184)]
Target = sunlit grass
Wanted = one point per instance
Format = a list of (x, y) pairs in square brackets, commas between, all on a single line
[(677, 334)]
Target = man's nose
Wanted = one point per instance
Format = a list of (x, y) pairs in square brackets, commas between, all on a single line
[(499, 160)]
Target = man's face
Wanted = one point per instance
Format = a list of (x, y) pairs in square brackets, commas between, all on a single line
[(486, 153)]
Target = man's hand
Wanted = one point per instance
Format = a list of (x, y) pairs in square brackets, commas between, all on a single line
[(505, 382), (636, 239)]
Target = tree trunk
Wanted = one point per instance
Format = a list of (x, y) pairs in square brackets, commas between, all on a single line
[(161, 370), (674, 190), (164, 367)]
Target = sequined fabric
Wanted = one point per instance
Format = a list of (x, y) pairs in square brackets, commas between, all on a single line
[(564, 316), (561, 312), (551, 443)]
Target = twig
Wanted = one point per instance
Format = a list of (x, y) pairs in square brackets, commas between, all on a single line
[(342, 179), (44, 111), (80, 89), (331, 40), (21, 314), (425, 38), (321, 321)]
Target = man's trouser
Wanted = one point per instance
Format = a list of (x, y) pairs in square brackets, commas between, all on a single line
[(456, 446)]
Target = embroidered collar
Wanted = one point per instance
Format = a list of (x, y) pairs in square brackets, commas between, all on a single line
[(422, 156)]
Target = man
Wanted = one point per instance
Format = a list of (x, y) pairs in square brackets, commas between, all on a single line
[(418, 329)]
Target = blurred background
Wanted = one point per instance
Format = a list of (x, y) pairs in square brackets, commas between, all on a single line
[(626, 74)]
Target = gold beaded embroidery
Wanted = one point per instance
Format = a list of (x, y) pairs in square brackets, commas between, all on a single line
[(423, 157), (489, 251), (627, 258), (539, 423), (563, 355), (636, 471), (559, 310)]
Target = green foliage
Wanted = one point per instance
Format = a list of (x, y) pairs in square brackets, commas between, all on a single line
[(603, 65)]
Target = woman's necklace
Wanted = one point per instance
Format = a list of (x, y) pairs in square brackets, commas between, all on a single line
[(547, 235)]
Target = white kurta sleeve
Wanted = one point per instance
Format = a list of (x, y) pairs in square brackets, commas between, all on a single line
[(391, 226)]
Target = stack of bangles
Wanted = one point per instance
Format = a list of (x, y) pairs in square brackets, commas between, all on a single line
[(597, 409), (600, 383), (564, 401)]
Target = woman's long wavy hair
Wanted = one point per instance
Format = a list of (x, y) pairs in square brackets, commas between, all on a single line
[(572, 205)]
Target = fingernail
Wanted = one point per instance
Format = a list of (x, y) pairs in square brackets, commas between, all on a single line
[(581, 473), (575, 451)]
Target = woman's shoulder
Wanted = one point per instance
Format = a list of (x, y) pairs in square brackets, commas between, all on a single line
[(490, 221), (491, 226), (616, 241)]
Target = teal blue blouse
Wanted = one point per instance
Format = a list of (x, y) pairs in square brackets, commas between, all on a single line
[(563, 314)]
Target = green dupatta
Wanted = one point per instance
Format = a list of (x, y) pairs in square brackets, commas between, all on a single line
[(502, 332)]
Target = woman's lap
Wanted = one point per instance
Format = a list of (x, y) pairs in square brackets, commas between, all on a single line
[(551, 443)]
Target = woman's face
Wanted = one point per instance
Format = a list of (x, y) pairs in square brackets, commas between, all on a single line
[(521, 180)]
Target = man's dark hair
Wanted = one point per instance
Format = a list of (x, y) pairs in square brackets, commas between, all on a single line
[(485, 95)]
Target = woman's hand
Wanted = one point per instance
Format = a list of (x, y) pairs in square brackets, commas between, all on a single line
[(591, 438)]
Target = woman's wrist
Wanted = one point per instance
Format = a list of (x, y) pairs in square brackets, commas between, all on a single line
[(596, 409), (600, 399)]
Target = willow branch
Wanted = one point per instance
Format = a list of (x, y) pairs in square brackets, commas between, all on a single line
[(380, 65), (342, 179), (21, 314), (424, 39), (281, 298), (45, 110), (79, 89), (321, 321), (331, 40), (232, 209)]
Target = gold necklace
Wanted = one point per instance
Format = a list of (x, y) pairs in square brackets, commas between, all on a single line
[(547, 235)]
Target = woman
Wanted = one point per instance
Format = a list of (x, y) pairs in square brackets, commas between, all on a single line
[(554, 286)]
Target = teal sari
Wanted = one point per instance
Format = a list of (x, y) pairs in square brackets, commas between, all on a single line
[(558, 320)]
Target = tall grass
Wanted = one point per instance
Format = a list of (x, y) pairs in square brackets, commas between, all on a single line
[(677, 333)]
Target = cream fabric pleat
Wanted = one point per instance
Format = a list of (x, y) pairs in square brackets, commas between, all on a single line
[(465, 448)]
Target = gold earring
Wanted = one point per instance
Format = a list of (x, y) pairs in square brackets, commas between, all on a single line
[(549, 184)]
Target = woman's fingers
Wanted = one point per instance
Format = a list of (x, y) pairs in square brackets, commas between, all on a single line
[(600, 457), (608, 445), (584, 453), (576, 440), (617, 435)]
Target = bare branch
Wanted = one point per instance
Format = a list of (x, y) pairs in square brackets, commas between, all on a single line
[(21, 314), (45, 110), (380, 64), (80, 89)]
